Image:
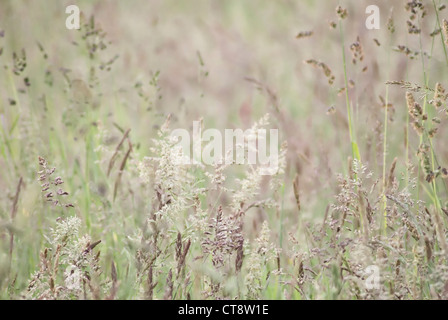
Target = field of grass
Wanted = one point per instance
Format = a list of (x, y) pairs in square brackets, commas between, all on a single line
[(93, 204)]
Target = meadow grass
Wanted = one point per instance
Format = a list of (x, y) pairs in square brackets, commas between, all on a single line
[(96, 206)]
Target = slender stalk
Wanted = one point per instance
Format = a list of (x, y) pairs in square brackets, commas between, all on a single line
[(385, 146), (355, 151), (442, 38)]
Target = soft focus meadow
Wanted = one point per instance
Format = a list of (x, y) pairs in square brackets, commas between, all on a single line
[(93, 204)]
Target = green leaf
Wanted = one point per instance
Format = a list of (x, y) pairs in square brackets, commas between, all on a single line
[(355, 150)]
